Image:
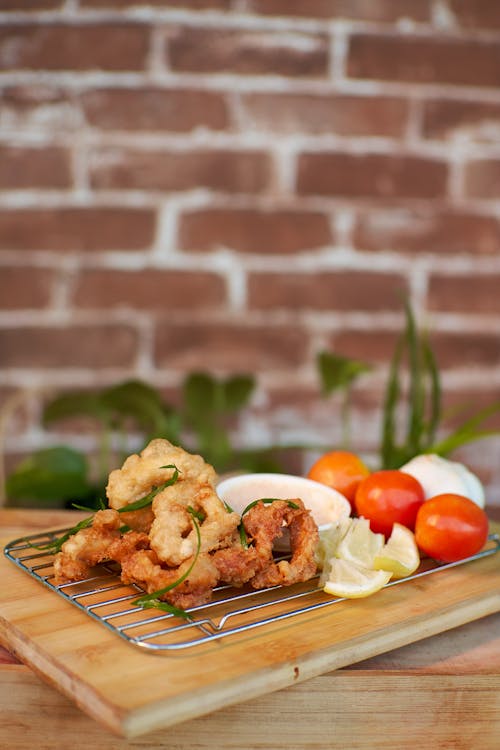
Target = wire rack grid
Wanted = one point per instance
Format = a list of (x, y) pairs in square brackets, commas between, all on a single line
[(110, 602)]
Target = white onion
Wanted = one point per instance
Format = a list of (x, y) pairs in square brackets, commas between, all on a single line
[(438, 475)]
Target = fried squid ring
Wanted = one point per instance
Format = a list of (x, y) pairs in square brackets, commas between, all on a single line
[(144, 569), (265, 524), (172, 534)]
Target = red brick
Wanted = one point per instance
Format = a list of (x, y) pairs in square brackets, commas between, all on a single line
[(21, 167), (370, 175), (375, 346), (248, 52), (38, 107), (25, 288), (311, 113), (329, 290), (25, 5), (466, 350), (424, 59), (77, 229), (429, 230), (473, 293), (87, 347), (482, 179), (225, 171), (254, 231), (155, 109), (476, 14), (115, 46), (26, 96), (373, 10), (229, 347), (188, 4), (447, 119), (149, 290)]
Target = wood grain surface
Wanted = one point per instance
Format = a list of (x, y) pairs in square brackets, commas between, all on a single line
[(436, 685)]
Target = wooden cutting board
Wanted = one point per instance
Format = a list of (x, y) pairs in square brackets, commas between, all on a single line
[(131, 692)]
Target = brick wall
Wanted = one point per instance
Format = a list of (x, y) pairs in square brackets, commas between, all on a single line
[(236, 184)]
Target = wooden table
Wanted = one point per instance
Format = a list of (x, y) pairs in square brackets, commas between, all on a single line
[(442, 692)]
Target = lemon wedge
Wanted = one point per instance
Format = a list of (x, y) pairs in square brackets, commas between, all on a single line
[(360, 545), (352, 581), (329, 540), (400, 555)]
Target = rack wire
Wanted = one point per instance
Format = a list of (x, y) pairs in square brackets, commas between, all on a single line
[(110, 602)]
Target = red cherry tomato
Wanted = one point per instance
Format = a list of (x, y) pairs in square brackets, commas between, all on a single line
[(387, 497), (450, 527)]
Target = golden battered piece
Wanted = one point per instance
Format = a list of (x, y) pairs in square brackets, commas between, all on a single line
[(168, 521), (144, 569), (88, 547), (185, 527), (265, 524)]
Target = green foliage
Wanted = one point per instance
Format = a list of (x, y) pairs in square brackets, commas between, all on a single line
[(422, 407), (339, 373), (61, 475), (208, 404), (412, 416), (52, 473)]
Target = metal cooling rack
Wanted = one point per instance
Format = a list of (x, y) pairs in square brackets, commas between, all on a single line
[(106, 599)]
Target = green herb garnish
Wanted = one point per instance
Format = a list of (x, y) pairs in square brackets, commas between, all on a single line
[(198, 514), (266, 501), (55, 545), (152, 600), (148, 499)]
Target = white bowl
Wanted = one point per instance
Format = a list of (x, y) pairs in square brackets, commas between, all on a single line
[(326, 504)]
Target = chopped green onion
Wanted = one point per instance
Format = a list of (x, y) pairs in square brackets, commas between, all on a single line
[(267, 501), (148, 499), (198, 514), (153, 599), (166, 607), (55, 545)]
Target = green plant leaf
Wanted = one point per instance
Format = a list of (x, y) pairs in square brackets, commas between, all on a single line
[(143, 403), (237, 391), (49, 475), (337, 372), (201, 396), (416, 398), (75, 404), (458, 439), (389, 452), (434, 416)]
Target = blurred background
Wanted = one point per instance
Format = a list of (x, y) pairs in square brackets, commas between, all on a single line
[(231, 187)]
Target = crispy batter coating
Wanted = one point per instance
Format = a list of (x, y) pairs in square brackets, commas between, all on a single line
[(143, 568), (237, 565), (163, 540), (142, 472), (265, 524), (172, 534), (88, 547)]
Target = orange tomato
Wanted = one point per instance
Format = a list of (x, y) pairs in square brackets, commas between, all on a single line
[(341, 470), (387, 497), (451, 527)]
